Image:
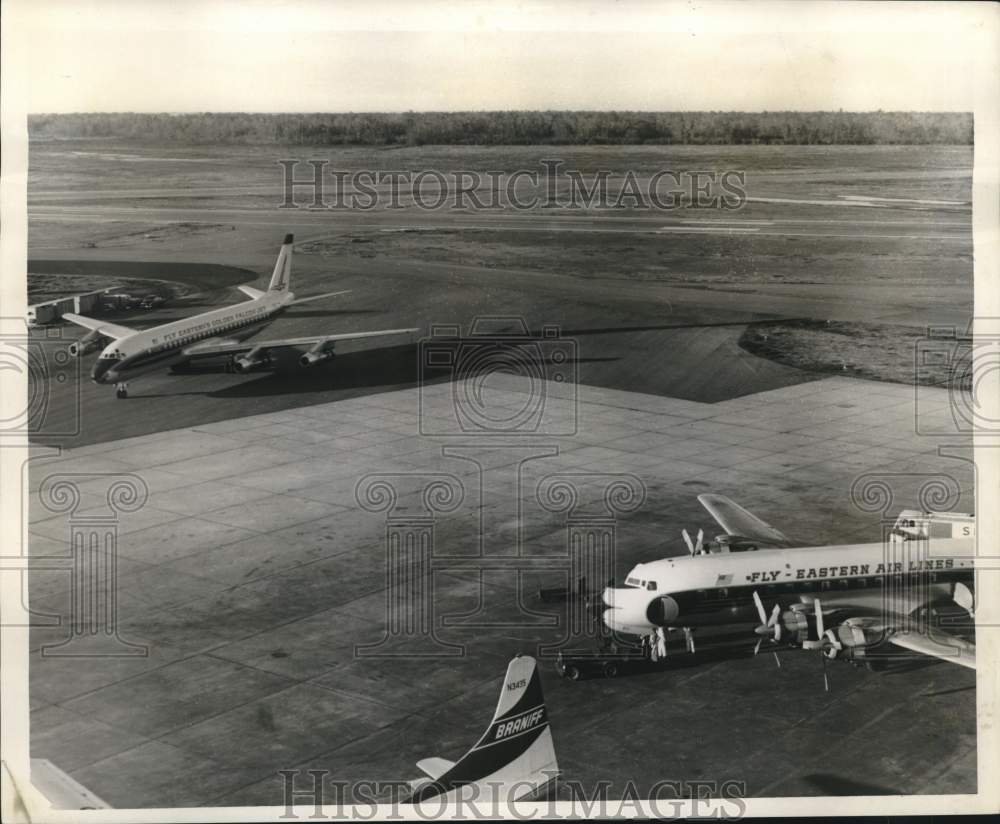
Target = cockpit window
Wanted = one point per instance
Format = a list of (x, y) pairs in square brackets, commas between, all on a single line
[(651, 585), (632, 582)]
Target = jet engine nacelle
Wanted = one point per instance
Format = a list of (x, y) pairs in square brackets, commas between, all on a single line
[(88, 343), (312, 357), (255, 359)]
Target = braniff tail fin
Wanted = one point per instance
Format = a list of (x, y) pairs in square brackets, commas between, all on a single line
[(513, 758)]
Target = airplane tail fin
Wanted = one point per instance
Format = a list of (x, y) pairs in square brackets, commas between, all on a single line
[(282, 275), (513, 759)]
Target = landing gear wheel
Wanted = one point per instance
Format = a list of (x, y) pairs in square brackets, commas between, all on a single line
[(572, 673), (121, 390), (610, 670)]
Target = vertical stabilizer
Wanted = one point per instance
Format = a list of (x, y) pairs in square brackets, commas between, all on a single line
[(282, 276), (514, 758)]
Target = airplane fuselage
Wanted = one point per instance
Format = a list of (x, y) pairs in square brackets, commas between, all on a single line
[(164, 345), (700, 590)]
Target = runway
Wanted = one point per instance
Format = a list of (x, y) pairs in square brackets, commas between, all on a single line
[(255, 573), (865, 227)]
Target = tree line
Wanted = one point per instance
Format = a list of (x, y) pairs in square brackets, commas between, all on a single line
[(512, 128)]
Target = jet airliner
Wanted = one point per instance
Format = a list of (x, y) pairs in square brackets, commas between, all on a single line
[(128, 353)]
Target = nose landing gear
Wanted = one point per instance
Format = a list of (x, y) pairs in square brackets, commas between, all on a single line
[(121, 390)]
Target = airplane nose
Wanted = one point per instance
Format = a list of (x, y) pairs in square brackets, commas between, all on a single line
[(102, 372)]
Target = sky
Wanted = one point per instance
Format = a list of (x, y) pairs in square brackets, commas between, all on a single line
[(283, 55)]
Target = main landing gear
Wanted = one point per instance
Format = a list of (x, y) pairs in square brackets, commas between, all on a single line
[(121, 390)]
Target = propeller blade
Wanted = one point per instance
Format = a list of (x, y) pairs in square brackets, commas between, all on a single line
[(700, 542), (687, 540), (756, 648), (773, 620), (819, 619), (777, 660), (826, 680), (760, 608)]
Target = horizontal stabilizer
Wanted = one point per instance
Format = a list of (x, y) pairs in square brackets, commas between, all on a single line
[(250, 292), (435, 767), (62, 791), (737, 521), (965, 598), (102, 327), (318, 297)]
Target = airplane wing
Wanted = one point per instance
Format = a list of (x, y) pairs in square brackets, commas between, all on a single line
[(737, 521), (250, 292), (103, 327), (946, 647), (435, 767), (223, 347)]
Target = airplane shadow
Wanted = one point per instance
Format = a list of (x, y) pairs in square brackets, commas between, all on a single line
[(730, 646), (949, 692), (836, 785), (356, 372)]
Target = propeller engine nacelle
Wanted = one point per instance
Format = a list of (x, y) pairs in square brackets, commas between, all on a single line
[(255, 359), (850, 640), (847, 641), (88, 343)]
